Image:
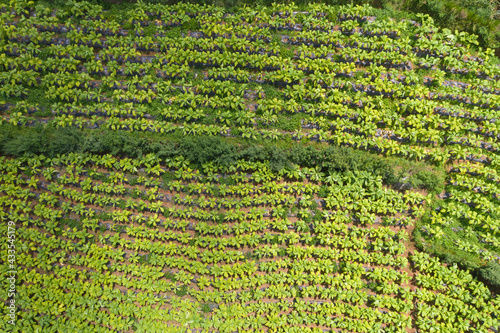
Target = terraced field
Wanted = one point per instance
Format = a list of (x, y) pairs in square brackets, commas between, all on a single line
[(146, 243), (101, 248)]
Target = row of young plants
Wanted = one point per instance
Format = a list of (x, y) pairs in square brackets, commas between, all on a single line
[(269, 194), (325, 14), (453, 122), (472, 129)]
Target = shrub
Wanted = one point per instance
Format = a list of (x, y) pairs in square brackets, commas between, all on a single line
[(167, 178), (64, 141), (18, 143), (205, 308), (115, 143), (182, 291), (277, 158), (303, 155), (173, 32), (200, 150), (253, 154), (164, 150), (288, 124), (39, 140), (323, 191), (271, 92), (286, 52), (431, 181), (340, 159), (490, 274), (463, 260)]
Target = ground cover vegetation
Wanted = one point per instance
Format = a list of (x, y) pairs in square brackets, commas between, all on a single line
[(178, 167)]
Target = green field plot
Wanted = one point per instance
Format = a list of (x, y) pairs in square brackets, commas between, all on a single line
[(185, 169), (105, 245)]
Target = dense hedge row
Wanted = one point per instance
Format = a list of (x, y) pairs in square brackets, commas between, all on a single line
[(46, 140)]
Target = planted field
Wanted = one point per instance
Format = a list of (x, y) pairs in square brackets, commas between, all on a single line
[(105, 245), (149, 243)]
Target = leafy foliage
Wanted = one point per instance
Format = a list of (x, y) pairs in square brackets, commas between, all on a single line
[(249, 161), (491, 274)]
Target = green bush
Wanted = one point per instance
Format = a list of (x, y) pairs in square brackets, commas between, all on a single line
[(17, 143), (164, 150), (191, 25), (342, 159), (271, 92), (174, 32), (431, 181), (288, 124), (286, 52), (39, 140), (170, 276), (253, 154), (277, 158), (150, 30), (463, 260), (64, 141), (167, 178), (323, 191), (182, 291), (200, 150), (115, 143), (205, 308), (303, 155), (491, 274)]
